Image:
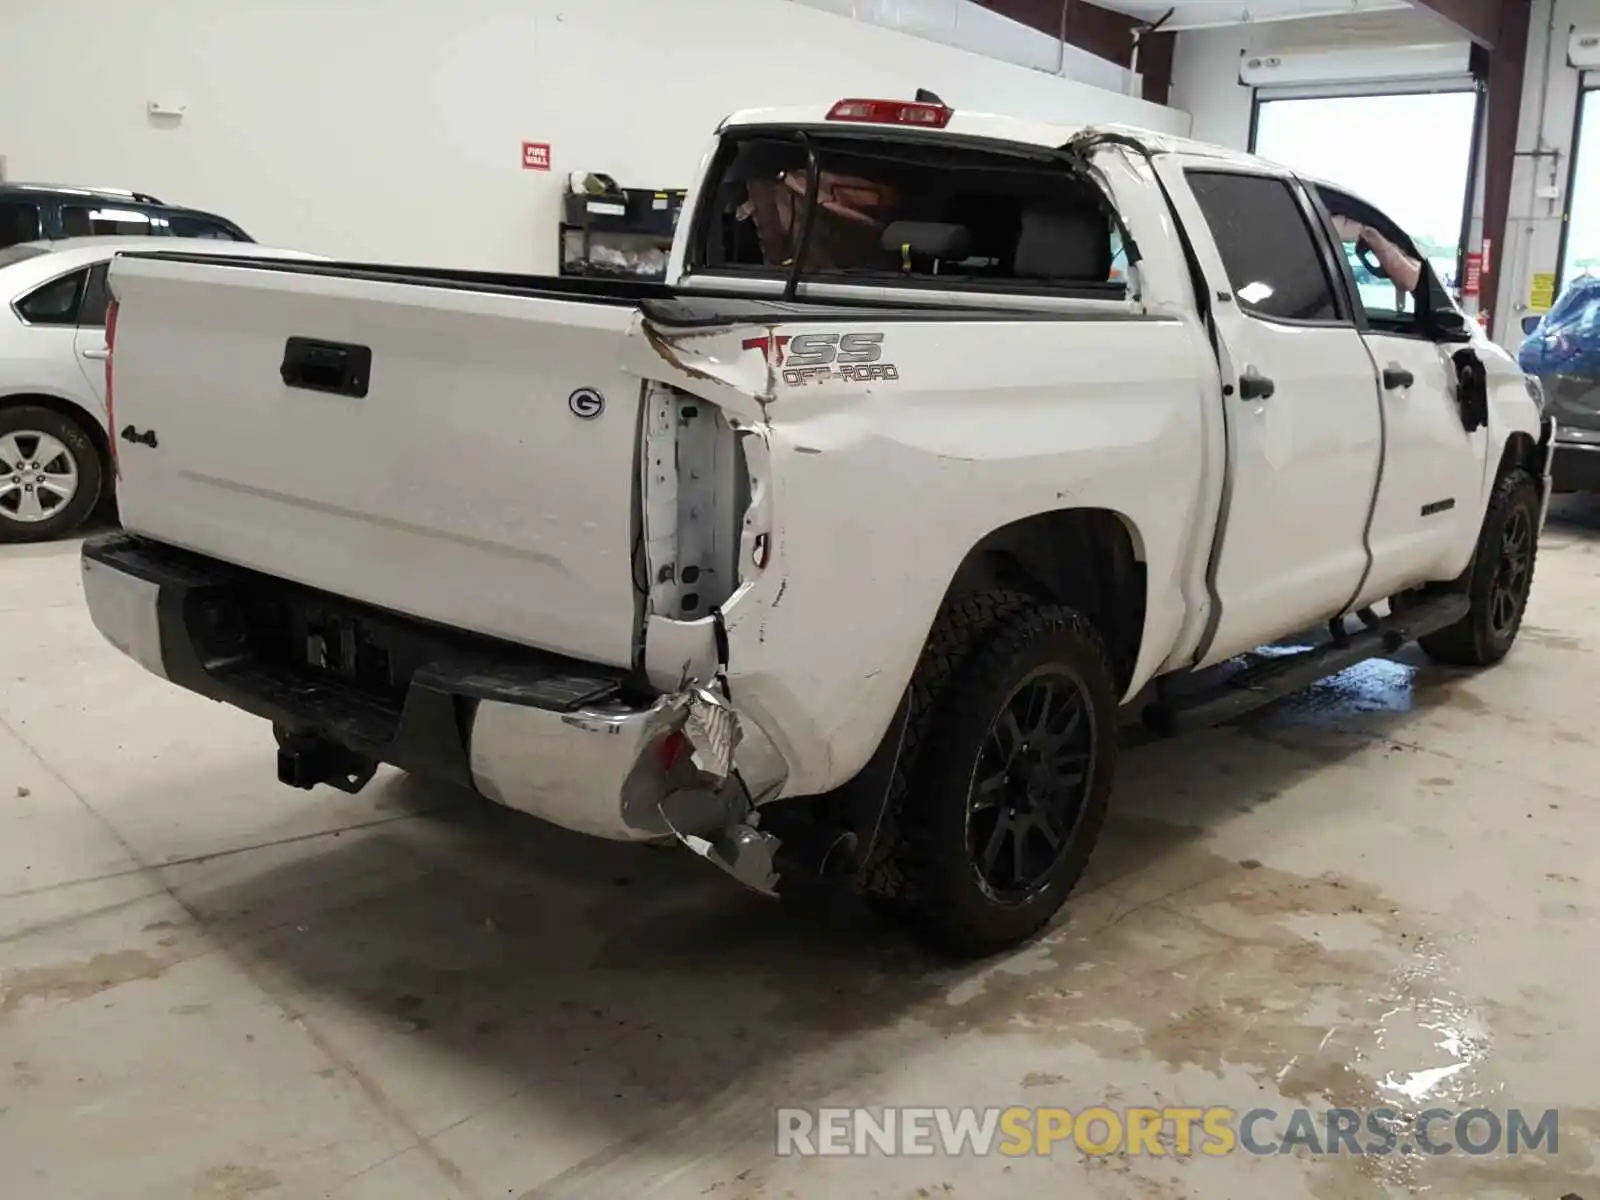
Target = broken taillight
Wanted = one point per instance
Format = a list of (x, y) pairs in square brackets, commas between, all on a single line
[(111, 408), (891, 112), (672, 749)]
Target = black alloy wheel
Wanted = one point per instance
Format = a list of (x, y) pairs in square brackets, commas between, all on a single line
[(1030, 785)]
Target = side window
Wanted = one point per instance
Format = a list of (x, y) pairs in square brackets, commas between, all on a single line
[(1394, 283), (190, 226), (96, 299), (1266, 245), (56, 302), (19, 222), (1119, 256), (907, 215), (83, 220)]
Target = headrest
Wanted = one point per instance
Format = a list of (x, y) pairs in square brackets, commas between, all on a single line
[(1064, 242), (928, 239)]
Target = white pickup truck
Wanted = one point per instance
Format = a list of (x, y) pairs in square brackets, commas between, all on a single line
[(841, 553)]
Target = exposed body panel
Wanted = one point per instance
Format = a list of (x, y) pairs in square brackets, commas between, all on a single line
[(880, 489)]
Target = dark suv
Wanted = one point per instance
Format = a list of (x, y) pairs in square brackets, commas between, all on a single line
[(31, 212)]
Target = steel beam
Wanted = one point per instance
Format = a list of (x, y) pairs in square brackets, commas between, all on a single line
[(1500, 64), (1478, 19)]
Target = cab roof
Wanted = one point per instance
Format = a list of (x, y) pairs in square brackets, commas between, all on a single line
[(994, 127)]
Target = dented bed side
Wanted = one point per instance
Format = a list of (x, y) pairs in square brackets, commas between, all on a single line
[(863, 493)]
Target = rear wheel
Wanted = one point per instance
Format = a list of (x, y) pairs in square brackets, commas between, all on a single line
[(50, 474), (1009, 790), (1498, 581)]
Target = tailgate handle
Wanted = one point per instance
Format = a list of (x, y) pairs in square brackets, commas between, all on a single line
[(326, 366)]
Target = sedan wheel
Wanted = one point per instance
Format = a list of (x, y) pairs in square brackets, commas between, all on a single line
[(50, 473), (38, 476)]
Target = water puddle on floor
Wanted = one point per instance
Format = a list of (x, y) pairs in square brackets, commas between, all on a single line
[(1319, 988)]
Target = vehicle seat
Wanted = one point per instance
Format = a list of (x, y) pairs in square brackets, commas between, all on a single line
[(1063, 242)]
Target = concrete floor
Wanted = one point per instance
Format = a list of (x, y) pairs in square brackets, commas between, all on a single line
[(212, 986)]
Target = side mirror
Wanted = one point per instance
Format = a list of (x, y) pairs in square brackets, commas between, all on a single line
[(1450, 325), (1530, 323)]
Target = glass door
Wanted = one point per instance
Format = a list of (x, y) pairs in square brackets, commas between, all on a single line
[(1580, 233)]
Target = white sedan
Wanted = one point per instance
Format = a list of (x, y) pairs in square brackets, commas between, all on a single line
[(54, 445)]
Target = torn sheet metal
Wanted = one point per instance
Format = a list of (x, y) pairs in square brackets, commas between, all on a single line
[(676, 653), (743, 851), (712, 728)]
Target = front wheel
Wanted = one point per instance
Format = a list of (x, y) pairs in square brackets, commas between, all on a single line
[(50, 474), (1009, 793), (1499, 579)]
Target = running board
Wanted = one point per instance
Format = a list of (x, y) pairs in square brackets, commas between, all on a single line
[(1277, 677)]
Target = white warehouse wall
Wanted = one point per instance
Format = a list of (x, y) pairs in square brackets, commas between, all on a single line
[(1205, 84), (966, 24), (392, 129)]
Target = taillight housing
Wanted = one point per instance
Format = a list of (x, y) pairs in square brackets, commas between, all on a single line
[(111, 406), (892, 112)]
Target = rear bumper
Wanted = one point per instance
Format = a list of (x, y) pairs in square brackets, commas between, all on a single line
[(561, 740)]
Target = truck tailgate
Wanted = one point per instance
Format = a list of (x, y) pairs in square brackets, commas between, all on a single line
[(484, 480)]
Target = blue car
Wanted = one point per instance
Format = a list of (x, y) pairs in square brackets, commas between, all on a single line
[(1563, 350)]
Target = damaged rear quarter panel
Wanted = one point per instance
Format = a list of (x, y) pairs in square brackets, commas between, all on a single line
[(879, 488)]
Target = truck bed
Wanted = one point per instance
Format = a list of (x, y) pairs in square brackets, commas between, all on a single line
[(458, 446), (662, 304)]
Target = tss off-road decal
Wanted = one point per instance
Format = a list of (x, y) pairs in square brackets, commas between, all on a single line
[(821, 357)]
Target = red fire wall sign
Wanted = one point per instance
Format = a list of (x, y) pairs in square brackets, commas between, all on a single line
[(535, 156)]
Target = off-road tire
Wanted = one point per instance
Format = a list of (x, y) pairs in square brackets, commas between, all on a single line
[(942, 890), (1478, 639), (86, 457), (959, 628)]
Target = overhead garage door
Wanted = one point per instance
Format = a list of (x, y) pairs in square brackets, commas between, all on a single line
[(1385, 108)]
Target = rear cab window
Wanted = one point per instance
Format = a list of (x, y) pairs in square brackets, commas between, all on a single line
[(911, 214)]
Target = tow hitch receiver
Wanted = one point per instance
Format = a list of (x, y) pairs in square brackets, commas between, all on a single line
[(305, 760)]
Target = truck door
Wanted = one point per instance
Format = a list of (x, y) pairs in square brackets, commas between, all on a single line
[(1304, 432), (1429, 506)]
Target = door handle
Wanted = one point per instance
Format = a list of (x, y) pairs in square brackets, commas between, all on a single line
[(318, 366), (1253, 385), (1395, 378), (97, 352)]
